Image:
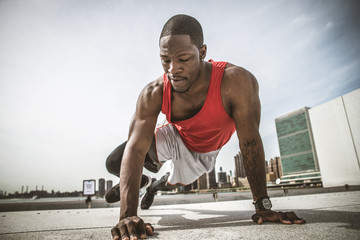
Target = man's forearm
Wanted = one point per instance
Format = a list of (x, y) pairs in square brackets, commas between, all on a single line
[(130, 178), (254, 163)]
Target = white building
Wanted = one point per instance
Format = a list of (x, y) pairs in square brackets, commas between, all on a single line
[(336, 131)]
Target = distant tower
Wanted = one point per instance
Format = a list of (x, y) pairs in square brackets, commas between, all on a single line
[(22, 189), (27, 189), (109, 184), (206, 181), (101, 187), (202, 182), (239, 168), (211, 179), (222, 176), (274, 166)]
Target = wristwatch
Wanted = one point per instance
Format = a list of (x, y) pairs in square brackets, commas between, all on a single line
[(263, 203)]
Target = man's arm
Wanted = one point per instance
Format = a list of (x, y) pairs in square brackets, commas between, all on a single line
[(141, 134), (245, 108)]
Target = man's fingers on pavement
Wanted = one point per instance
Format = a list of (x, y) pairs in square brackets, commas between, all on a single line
[(140, 228), (124, 232), (115, 233), (257, 218), (294, 218), (149, 229), (284, 219), (131, 228)]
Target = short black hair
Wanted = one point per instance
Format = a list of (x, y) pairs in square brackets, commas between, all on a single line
[(184, 25)]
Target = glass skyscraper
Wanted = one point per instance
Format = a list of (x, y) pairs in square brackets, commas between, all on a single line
[(297, 148)]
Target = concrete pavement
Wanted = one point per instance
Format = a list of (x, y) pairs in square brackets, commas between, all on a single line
[(328, 216)]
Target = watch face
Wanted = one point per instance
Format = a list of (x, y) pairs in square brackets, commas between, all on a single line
[(266, 203)]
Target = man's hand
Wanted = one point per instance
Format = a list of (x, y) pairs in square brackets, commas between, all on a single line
[(272, 216), (131, 228)]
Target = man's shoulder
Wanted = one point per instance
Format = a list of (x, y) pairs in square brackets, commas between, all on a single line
[(154, 88), (150, 99), (235, 76)]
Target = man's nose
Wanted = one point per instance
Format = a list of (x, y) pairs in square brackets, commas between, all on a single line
[(174, 67)]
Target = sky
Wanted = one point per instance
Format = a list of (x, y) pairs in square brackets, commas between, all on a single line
[(71, 72)]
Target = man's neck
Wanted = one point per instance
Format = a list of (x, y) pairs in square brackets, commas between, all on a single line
[(203, 80)]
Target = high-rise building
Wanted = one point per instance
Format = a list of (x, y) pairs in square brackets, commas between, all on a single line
[(109, 184), (239, 166), (211, 179), (297, 148), (274, 166), (207, 180), (202, 182), (266, 167), (336, 128), (101, 187), (222, 176)]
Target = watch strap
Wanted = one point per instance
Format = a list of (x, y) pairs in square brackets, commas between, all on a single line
[(263, 203)]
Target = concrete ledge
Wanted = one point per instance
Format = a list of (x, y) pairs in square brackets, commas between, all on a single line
[(328, 215)]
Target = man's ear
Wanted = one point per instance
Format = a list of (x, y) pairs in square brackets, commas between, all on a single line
[(202, 51)]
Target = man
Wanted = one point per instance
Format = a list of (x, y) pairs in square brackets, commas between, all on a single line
[(204, 103)]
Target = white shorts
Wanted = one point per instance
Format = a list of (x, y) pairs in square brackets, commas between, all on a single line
[(186, 166)]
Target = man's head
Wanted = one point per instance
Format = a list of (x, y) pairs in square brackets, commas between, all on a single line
[(182, 51), (184, 25)]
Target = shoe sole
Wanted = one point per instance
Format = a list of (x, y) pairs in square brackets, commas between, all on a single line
[(145, 187), (148, 183)]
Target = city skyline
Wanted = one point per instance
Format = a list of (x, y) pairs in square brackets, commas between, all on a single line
[(70, 73)]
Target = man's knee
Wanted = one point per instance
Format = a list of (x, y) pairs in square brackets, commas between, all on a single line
[(112, 165), (150, 165), (113, 161)]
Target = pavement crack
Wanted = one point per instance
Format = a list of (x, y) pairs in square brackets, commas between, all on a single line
[(54, 230)]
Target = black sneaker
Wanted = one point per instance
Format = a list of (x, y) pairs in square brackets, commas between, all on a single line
[(113, 195), (148, 198)]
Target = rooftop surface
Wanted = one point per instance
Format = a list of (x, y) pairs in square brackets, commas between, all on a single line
[(328, 216)]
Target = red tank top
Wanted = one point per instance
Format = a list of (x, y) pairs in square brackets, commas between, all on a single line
[(211, 128)]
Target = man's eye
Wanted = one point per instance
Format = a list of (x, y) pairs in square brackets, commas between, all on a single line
[(165, 61), (184, 60)]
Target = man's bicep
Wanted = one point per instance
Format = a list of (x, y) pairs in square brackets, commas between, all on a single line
[(141, 134), (246, 114), (144, 121)]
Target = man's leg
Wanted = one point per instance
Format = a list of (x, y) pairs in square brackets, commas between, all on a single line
[(113, 161), (113, 164)]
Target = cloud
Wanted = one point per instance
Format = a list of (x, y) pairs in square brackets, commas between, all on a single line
[(301, 20)]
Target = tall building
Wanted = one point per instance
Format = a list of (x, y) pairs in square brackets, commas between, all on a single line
[(109, 184), (239, 166), (207, 180), (336, 128), (222, 176), (297, 148), (101, 187), (201, 182), (239, 169), (212, 179), (266, 167), (274, 166)]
